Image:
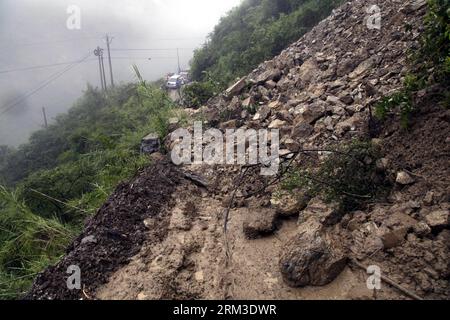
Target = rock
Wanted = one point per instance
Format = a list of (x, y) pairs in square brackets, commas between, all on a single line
[(303, 130), (413, 6), (328, 214), (429, 198), (173, 124), (89, 239), (277, 124), (438, 220), (346, 67), (310, 113), (263, 113), (394, 238), (247, 102), (382, 164), (347, 99), (142, 296), (351, 124), (308, 70), (399, 220), (259, 222), (274, 104), (333, 100), (150, 144), (404, 178), (270, 74), (231, 124), (358, 219), (288, 204), (270, 84), (422, 229), (362, 68), (311, 258), (236, 88)]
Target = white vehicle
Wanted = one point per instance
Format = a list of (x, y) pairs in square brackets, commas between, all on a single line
[(174, 82)]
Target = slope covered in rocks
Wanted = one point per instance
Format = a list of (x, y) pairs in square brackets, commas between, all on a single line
[(319, 93)]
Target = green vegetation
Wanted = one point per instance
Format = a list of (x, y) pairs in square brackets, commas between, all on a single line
[(66, 172), (432, 61), (28, 242), (196, 94), (347, 176), (255, 31)]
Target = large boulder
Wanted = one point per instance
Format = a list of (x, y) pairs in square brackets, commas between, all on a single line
[(259, 222), (310, 113), (237, 87), (150, 144), (287, 204), (327, 214), (308, 71), (267, 75), (311, 258)]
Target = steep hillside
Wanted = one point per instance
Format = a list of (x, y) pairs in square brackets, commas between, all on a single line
[(352, 191), (255, 31)]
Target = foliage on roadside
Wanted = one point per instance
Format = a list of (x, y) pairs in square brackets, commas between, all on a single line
[(255, 31), (432, 63), (196, 94), (28, 243), (347, 176), (66, 172)]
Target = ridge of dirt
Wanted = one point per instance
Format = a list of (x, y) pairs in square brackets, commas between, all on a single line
[(114, 235)]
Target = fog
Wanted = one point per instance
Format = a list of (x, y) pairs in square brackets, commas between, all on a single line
[(36, 44)]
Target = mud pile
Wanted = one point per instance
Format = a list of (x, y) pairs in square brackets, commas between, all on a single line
[(114, 235)]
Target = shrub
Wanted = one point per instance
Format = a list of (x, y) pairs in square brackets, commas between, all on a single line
[(28, 244), (348, 176), (197, 94)]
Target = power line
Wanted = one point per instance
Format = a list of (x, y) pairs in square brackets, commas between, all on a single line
[(41, 43), (38, 67), (55, 76), (151, 49), (46, 42), (71, 62)]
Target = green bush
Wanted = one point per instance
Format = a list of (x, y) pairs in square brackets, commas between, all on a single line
[(28, 244), (434, 53), (347, 176), (196, 94), (432, 61)]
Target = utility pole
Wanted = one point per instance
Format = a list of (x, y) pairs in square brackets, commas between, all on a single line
[(99, 53), (103, 70), (108, 42), (178, 57), (45, 117)]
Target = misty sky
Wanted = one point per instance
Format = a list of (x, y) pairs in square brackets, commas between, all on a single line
[(34, 33)]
